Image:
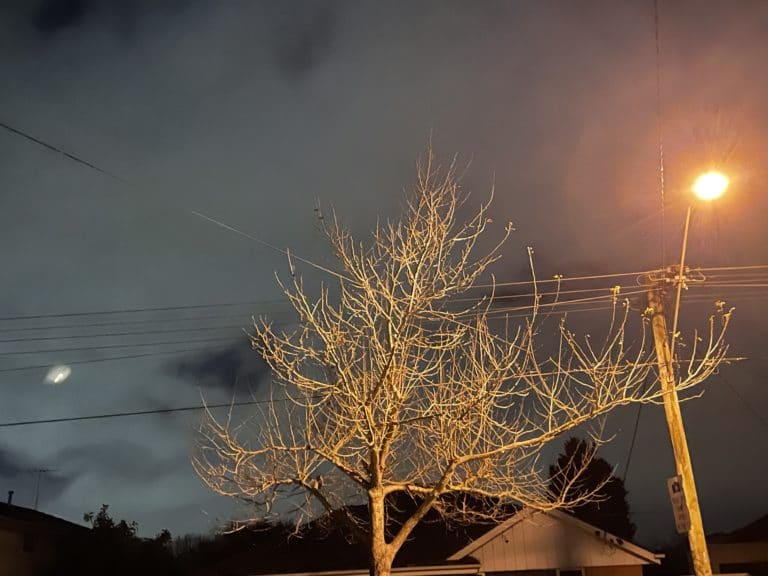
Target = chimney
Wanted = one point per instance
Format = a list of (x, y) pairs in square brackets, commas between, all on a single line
[(10, 496)]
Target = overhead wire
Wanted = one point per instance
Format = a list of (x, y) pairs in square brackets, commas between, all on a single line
[(107, 359), (230, 404), (285, 252), (561, 279), (736, 279), (634, 432), (120, 334), (737, 285), (113, 346), (219, 223), (563, 303), (748, 405), (61, 151), (126, 414), (556, 303), (732, 273), (566, 306), (145, 321), (662, 191), (110, 415), (748, 267), (200, 328), (132, 310), (551, 293)]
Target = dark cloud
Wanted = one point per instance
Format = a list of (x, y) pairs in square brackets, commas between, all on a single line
[(45, 19), (121, 459), (53, 15), (297, 35), (234, 369), (302, 34), (22, 474)]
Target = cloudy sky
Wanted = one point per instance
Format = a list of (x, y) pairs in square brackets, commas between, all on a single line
[(250, 112)]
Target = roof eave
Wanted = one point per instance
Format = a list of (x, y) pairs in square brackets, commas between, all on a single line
[(436, 570)]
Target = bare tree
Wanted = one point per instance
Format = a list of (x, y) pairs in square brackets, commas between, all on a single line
[(398, 381)]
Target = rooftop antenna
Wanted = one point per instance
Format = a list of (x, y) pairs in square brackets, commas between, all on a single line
[(39, 472)]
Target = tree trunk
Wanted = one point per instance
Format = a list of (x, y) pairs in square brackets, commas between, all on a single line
[(381, 553), (381, 565)]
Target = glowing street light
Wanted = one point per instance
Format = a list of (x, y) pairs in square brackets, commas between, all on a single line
[(710, 185)]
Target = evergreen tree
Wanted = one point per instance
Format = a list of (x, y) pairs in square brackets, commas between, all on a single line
[(578, 466)]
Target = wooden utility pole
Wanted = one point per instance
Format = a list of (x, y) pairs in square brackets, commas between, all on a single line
[(667, 378)]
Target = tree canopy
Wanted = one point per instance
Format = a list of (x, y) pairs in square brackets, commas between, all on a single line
[(404, 378)]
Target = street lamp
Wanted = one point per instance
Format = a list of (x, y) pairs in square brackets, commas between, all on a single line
[(707, 187), (710, 185)]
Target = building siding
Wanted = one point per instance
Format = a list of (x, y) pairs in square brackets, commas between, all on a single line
[(613, 571), (544, 543)]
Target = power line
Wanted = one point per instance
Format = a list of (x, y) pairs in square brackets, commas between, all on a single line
[(551, 293), (53, 148), (92, 166), (285, 252), (573, 306), (200, 328), (134, 310), (697, 286), (121, 323), (560, 279), (556, 303), (144, 321), (732, 273), (750, 267), (113, 346), (119, 334), (116, 311), (107, 359), (634, 432), (552, 312), (204, 349), (128, 414), (194, 408), (748, 405), (737, 285)]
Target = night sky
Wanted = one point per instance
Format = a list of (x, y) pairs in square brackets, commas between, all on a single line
[(252, 111)]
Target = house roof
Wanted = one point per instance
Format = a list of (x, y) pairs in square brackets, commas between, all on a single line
[(435, 549), (29, 515), (440, 570), (528, 513), (11, 514), (756, 531)]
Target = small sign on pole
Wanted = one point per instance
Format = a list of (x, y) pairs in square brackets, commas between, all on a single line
[(679, 507)]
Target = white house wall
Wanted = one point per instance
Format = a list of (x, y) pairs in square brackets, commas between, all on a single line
[(545, 543)]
